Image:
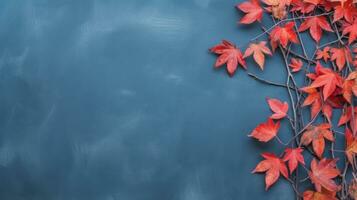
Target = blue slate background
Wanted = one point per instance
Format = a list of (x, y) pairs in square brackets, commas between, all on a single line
[(118, 99)]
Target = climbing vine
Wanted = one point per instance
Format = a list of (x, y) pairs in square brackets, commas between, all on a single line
[(327, 91)]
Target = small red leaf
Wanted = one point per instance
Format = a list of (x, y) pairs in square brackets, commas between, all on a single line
[(316, 25), (279, 108), (326, 79), (229, 55), (264, 132), (273, 167), (258, 51), (324, 54), (294, 156), (295, 64), (253, 10), (341, 56), (282, 35), (317, 135), (321, 174), (351, 29)]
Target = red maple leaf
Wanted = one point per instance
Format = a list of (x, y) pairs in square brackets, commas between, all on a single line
[(273, 166), (258, 50), (347, 117), (326, 79), (341, 56), (314, 100), (294, 156), (322, 174), (279, 108), (317, 135), (253, 10), (316, 25), (282, 35), (313, 195), (350, 86), (327, 5), (351, 29), (347, 90), (347, 12), (264, 132), (324, 54), (351, 145), (334, 101), (295, 64), (228, 54), (301, 6)]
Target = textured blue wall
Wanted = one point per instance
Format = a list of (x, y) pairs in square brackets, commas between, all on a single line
[(118, 99)]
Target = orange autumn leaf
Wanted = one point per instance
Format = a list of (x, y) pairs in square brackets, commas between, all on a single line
[(315, 25), (264, 132), (253, 10), (258, 50), (273, 167), (230, 55), (279, 108), (278, 8), (317, 135), (294, 156), (313, 195), (295, 64), (322, 174)]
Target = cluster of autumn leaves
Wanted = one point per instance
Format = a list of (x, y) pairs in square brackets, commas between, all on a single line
[(332, 85), (321, 171)]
